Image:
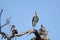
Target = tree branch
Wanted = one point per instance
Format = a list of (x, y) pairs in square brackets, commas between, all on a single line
[(1, 11), (16, 35), (4, 34)]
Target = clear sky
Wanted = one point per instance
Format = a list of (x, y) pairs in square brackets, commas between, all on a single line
[(22, 12)]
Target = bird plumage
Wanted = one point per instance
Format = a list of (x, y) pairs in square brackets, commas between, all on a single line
[(14, 31), (43, 30), (35, 19)]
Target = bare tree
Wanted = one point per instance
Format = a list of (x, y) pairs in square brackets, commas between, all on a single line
[(41, 35), (14, 31)]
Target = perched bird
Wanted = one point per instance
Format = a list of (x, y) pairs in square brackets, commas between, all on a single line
[(35, 19), (43, 30), (14, 31)]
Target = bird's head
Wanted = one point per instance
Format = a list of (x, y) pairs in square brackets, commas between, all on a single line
[(12, 27), (36, 13)]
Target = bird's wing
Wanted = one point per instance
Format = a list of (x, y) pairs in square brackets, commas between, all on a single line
[(37, 18)]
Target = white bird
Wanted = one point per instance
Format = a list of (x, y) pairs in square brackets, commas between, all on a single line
[(35, 19)]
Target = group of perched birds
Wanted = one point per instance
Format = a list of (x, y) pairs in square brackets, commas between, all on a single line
[(40, 35), (35, 20), (14, 31)]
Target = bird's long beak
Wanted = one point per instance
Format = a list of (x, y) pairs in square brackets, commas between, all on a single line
[(36, 13)]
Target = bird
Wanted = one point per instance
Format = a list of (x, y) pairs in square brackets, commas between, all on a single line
[(43, 30), (35, 19), (14, 31)]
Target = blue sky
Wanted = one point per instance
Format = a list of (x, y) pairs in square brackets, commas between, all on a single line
[(22, 12)]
